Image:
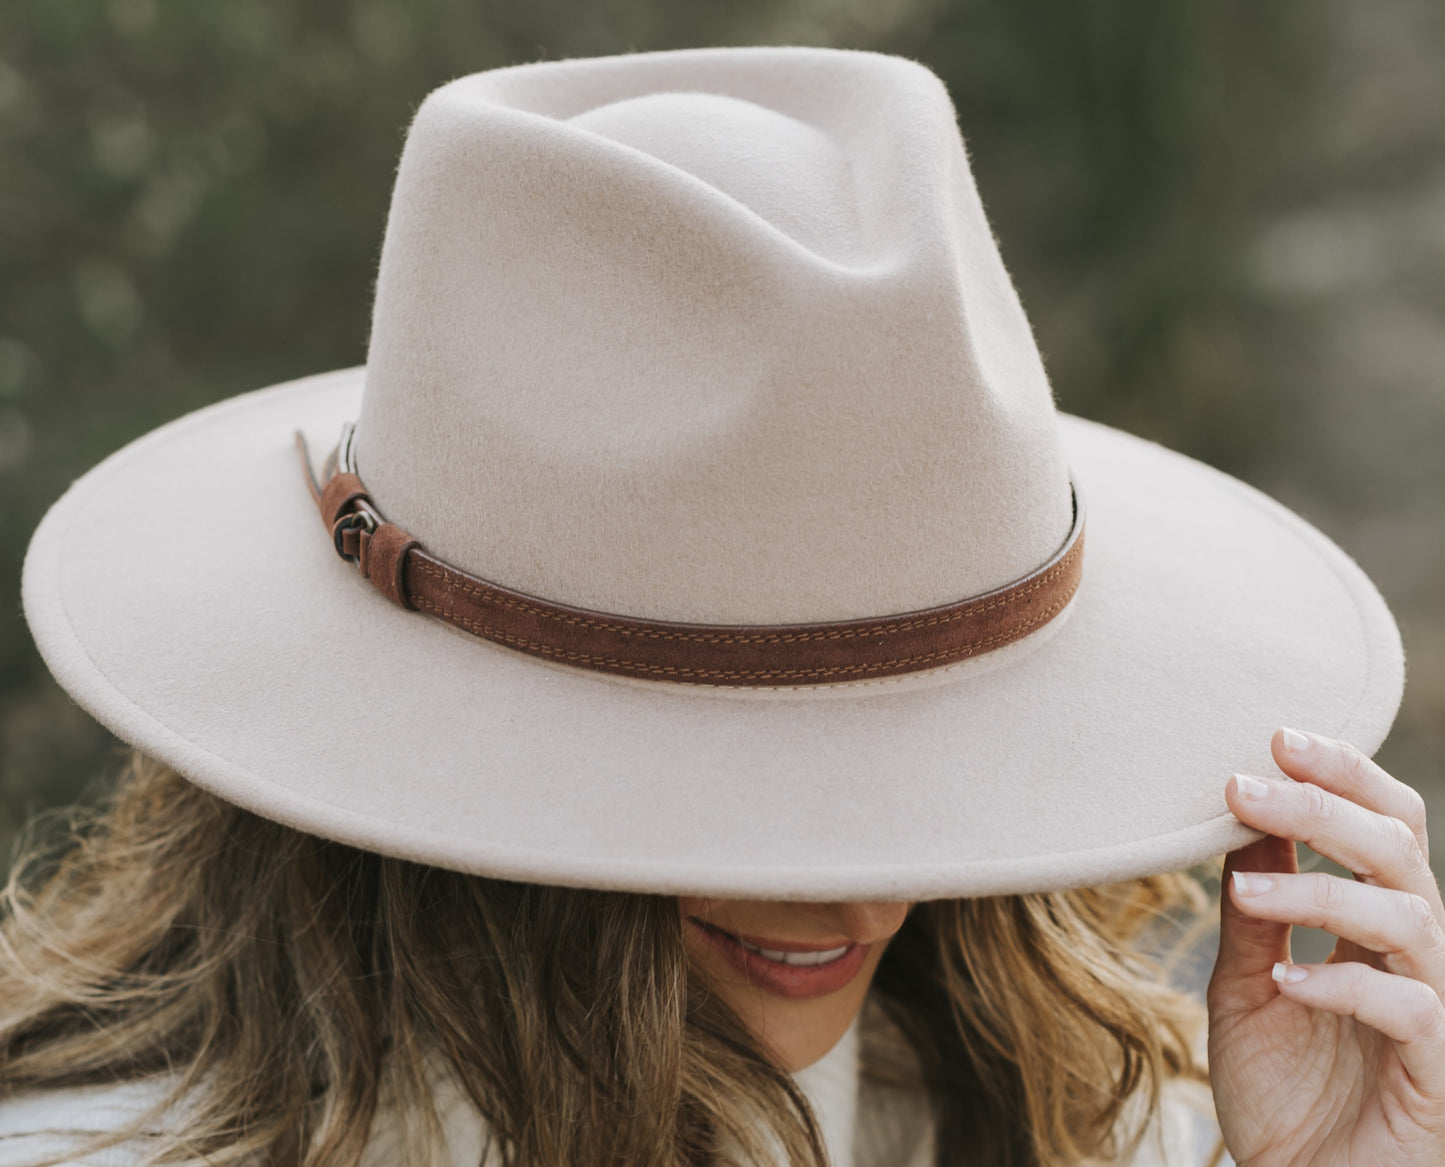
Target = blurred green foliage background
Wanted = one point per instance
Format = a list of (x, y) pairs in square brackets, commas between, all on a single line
[(1226, 218)]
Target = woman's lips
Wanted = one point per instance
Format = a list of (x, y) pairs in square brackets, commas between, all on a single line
[(818, 973)]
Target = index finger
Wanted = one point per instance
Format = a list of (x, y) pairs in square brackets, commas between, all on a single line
[(1342, 769)]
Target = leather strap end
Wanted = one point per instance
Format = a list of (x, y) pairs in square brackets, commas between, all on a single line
[(382, 557), (299, 440)]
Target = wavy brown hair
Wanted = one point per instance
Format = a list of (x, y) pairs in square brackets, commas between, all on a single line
[(290, 986)]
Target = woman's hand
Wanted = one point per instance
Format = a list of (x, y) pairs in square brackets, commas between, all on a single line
[(1340, 1064)]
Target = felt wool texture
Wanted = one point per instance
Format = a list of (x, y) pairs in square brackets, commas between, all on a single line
[(727, 340), (722, 336), (263, 667)]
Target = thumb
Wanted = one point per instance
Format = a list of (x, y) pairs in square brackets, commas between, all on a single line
[(1249, 948)]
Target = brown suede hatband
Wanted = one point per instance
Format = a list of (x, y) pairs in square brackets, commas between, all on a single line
[(705, 654)]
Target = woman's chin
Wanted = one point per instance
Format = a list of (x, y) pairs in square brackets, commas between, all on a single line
[(802, 1047)]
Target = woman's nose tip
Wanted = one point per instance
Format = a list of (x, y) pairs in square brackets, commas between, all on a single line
[(868, 923)]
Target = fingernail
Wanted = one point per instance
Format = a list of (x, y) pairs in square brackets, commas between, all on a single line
[(1250, 788), (1249, 884), (1294, 741), (1288, 974)]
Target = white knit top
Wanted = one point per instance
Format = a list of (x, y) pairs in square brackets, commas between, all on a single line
[(864, 1124)]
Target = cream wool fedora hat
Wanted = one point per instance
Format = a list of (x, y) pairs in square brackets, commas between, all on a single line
[(707, 526)]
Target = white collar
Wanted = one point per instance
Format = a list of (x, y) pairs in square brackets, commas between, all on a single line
[(831, 1087)]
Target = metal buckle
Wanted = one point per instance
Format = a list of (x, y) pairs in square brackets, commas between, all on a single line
[(354, 521)]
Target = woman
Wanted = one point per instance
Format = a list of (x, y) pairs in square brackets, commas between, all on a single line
[(706, 538)]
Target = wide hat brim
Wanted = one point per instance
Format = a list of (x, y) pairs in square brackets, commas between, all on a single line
[(186, 594)]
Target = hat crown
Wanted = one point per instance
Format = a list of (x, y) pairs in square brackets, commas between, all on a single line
[(788, 173), (716, 335)]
